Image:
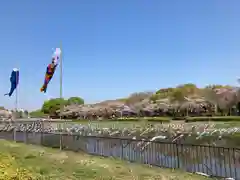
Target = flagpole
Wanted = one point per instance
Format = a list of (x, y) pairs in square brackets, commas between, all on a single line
[(16, 107), (61, 80), (61, 96), (16, 98)]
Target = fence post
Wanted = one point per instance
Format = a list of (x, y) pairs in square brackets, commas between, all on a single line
[(14, 134), (121, 144), (60, 140), (42, 132), (178, 157), (60, 137), (25, 137)]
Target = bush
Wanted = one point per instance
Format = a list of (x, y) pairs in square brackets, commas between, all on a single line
[(214, 118)]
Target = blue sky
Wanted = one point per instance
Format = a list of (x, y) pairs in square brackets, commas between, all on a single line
[(114, 48)]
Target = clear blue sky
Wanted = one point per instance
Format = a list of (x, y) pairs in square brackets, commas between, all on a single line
[(113, 48)]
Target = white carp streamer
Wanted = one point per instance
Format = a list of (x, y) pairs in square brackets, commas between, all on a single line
[(56, 55)]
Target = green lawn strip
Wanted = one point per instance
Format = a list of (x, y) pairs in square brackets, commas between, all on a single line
[(130, 119), (214, 118), (229, 124), (20, 161)]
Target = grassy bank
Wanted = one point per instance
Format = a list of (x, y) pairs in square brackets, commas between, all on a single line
[(24, 162)]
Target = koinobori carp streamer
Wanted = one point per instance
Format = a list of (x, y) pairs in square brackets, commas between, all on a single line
[(14, 79), (51, 69)]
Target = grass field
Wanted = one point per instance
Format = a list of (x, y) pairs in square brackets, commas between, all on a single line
[(28, 162)]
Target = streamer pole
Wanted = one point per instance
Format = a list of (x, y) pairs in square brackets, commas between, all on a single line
[(61, 81), (16, 100), (61, 96), (15, 114)]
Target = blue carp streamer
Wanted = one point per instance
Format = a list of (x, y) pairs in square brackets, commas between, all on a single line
[(14, 79)]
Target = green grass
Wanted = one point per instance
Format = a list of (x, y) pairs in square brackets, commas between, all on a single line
[(123, 122), (28, 162), (159, 119), (132, 119), (164, 119), (214, 118), (228, 124)]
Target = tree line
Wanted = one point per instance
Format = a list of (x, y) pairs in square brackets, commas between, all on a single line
[(173, 94), (53, 105)]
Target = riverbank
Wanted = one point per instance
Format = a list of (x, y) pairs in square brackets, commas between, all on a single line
[(20, 161)]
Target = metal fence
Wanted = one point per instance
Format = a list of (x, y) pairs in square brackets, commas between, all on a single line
[(215, 161)]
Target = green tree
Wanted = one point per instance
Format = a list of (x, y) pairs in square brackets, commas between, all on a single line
[(188, 89), (138, 97), (164, 93), (37, 114), (178, 95), (75, 100), (2, 108), (52, 105), (154, 98)]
